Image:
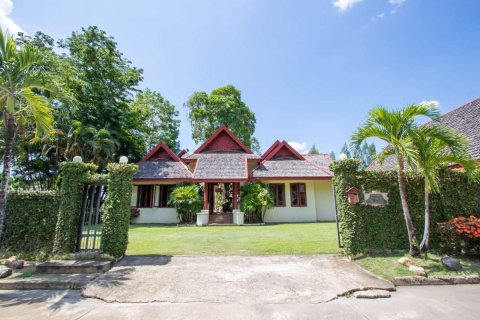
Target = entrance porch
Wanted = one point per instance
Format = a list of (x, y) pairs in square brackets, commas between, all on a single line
[(220, 204)]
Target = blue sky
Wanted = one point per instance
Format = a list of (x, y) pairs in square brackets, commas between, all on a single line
[(310, 70)]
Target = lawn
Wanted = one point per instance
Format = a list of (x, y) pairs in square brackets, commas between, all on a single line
[(389, 268), (288, 238)]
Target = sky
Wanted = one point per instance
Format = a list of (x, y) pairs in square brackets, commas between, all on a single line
[(310, 70)]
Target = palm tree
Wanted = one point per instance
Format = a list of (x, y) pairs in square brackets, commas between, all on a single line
[(20, 81), (394, 127), (437, 147)]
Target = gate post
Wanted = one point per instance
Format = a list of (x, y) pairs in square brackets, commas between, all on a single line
[(73, 175), (116, 218)]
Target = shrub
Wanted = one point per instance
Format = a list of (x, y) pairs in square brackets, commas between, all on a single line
[(134, 213), (256, 199), (187, 201), (460, 236), (30, 220)]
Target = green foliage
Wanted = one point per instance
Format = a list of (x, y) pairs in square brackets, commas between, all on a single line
[(157, 119), (117, 212), (187, 201), (364, 152), (366, 229), (256, 199), (223, 106), (313, 150), (31, 217), (73, 177)]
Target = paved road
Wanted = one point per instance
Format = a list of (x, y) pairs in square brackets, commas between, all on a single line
[(429, 302), (226, 279)]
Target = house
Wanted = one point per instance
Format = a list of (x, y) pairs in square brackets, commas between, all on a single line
[(301, 184), (464, 119)]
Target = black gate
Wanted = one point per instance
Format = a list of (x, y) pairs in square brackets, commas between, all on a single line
[(90, 228)]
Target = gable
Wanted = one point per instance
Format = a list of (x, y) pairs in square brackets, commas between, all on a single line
[(223, 140), (284, 150), (161, 152)]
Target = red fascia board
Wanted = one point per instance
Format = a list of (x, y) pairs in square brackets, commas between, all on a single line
[(283, 144), (272, 147), (223, 128), (161, 179), (289, 178), (158, 147), (220, 180)]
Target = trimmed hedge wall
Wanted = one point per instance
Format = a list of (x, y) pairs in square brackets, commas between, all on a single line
[(116, 217), (31, 217), (73, 175), (364, 228)]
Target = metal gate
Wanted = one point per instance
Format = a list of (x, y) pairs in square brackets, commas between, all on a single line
[(90, 227)]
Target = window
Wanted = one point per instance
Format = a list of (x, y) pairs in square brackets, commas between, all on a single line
[(145, 196), (164, 195), (298, 192), (278, 192)]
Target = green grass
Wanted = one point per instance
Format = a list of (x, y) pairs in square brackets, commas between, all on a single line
[(291, 238), (389, 268)]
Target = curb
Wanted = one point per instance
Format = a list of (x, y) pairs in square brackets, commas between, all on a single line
[(436, 280), (42, 285)]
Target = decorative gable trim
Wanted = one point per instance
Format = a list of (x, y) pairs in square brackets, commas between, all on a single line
[(272, 147), (159, 147), (279, 147), (223, 129)]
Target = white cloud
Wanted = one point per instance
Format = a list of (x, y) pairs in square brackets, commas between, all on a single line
[(395, 4), (381, 15), (7, 23), (299, 146), (434, 103), (344, 5)]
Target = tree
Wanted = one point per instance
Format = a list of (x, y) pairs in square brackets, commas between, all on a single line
[(21, 81), (223, 106), (436, 147), (364, 152), (313, 150), (103, 87), (332, 155), (158, 119), (395, 128)]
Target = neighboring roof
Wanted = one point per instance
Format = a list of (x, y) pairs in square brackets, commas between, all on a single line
[(323, 159), (162, 163), (464, 119), (223, 140), (221, 166)]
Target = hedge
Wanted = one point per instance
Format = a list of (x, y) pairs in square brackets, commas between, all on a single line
[(31, 217), (73, 175), (116, 216), (365, 228)]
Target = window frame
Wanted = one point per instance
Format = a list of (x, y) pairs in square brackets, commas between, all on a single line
[(152, 195), (168, 186), (275, 194), (296, 186)]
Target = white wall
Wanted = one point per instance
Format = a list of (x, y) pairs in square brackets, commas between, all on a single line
[(153, 215), (320, 205), (324, 201)]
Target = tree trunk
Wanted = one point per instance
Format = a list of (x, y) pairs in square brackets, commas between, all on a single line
[(426, 232), (406, 212), (10, 132)]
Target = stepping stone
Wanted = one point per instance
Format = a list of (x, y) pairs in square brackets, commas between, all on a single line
[(371, 294)]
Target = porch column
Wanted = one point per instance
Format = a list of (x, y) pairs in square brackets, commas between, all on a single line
[(235, 195), (205, 196)]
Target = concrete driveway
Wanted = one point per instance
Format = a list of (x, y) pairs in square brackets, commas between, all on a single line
[(232, 279)]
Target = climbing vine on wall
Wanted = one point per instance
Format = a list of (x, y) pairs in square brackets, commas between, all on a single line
[(365, 228), (116, 216)]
